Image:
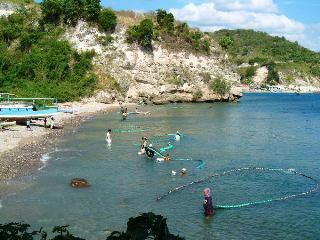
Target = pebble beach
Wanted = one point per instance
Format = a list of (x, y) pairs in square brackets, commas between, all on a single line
[(21, 149)]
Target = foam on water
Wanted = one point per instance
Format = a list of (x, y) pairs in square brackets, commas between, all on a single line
[(44, 159)]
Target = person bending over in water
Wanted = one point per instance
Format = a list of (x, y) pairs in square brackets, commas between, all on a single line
[(167, 157), (108, 137), (207, 203), (178, 136), (149, 151), (138, 112), (143, 145), (183, 172), (124, 114)]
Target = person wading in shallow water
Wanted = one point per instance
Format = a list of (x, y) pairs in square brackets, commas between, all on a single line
[(207, 203), (108, 137)]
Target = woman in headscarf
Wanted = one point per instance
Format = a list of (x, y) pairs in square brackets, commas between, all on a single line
[(207, 203)]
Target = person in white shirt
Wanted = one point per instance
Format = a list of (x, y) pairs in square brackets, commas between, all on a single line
[(108, 137)]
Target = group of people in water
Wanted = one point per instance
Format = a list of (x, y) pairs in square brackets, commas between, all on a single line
[(150, 152)]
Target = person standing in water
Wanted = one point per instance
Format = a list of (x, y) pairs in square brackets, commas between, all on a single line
[(108, 137), (207, 203), (178, 136), (143, 145), (125, 114)]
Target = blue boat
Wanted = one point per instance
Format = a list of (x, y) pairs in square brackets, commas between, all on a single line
[(22, 109)]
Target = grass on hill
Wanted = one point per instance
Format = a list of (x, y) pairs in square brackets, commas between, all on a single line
[(258, 47)]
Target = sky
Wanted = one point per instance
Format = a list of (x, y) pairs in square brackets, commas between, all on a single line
[(297, 20)]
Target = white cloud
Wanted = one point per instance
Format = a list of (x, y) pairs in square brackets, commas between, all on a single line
[(247, 5), (261, 15), (207, 14)]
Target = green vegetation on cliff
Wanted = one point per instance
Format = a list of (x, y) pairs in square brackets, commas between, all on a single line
[(162, 27), (260, 47), (277, 53), (34, 61)]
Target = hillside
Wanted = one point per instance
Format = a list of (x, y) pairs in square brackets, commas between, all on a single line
[(295, 64), (70, 51)]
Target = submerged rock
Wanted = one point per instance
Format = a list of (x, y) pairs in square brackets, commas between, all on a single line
[(79, 183)]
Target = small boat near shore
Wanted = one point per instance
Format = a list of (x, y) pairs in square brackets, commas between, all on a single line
[(23, 109)]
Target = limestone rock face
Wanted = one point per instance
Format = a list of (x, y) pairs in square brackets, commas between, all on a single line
[(105, 97), (79, 183), (261, 75), (158, 76), (7, 9)]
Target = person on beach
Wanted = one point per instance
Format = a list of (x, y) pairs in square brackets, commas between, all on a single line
[(45, 122), (207, 203), (52, 123), (28, 125), (108, 137)]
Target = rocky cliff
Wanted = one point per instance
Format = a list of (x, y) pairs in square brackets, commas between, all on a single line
[(158, 76)]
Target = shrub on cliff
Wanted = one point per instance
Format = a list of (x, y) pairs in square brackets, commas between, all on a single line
[(220, 86), (70, 11), (91, 9), (273, 75), (165, 20), (197, 94), (52, 10), (226, 42), (107, 20), (141, 34), (247, 74)]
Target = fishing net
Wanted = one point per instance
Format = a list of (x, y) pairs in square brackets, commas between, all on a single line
[(243, 187)]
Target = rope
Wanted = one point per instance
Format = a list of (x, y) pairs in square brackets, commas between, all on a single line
[(157, 152), (283, 198), (201, 162), (169, 147), (129, 130)]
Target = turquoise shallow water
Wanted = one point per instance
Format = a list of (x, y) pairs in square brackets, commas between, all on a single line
[(263, 130)]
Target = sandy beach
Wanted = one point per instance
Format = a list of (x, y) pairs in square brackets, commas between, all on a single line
[(21, 149)]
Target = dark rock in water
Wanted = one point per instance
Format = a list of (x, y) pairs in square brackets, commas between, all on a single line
[(79, 183)]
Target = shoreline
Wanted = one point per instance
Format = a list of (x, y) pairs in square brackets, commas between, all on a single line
[(21, 150), (283, 92)]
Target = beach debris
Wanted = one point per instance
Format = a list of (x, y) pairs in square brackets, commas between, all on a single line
[(79, 183)]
